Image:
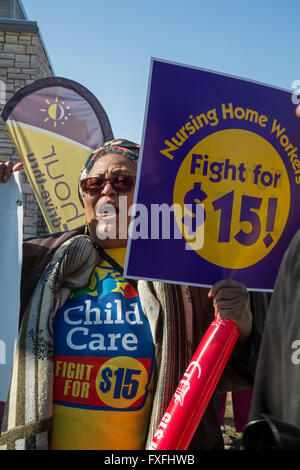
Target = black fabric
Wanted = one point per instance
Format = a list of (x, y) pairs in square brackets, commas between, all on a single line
[(277, 377), (269, 433), (259, 303)]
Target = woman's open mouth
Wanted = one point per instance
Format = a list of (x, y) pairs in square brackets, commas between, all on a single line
[(107, 211)]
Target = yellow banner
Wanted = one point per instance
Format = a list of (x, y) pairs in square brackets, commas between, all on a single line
[(52, 176), (55, 124)]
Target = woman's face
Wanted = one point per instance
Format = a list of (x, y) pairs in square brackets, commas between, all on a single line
[(107, 211)]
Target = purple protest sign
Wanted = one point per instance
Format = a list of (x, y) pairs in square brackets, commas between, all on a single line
[(218, 181)]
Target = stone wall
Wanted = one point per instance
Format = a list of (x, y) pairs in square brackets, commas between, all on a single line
[(22, 60)]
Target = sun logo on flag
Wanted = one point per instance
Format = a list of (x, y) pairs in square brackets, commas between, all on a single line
[(57, 111)]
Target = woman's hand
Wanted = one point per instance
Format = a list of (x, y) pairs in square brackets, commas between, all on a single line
[(6, 169), (232, 301)]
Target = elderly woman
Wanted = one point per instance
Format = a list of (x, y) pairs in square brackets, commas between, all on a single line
[(99, 357)]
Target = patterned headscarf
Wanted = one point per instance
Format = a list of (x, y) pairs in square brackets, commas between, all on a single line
[(120, 146)]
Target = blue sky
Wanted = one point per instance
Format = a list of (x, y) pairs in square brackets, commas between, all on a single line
[(106, 45)]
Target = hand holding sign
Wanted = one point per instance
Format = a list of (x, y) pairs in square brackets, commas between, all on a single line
[(232, 301)]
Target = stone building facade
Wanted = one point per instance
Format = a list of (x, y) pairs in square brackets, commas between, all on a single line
[(23, 59)]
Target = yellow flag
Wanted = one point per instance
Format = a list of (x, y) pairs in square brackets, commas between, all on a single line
[(55, 124)]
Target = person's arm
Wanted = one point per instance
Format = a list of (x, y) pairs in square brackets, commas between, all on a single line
[(232, 301)]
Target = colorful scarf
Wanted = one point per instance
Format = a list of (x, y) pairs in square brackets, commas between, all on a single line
[(122, 147)]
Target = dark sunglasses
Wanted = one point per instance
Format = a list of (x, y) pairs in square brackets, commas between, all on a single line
[(120, 184)]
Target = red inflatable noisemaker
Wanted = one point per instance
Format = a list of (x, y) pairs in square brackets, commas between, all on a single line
[(196, 387)]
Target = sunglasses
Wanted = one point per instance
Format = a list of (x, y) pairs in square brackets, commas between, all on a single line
[(120, 184)]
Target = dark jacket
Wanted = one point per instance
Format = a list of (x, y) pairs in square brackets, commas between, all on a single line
[(277, 380)]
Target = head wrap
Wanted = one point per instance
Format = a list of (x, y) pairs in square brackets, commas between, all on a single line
[(120, 146)]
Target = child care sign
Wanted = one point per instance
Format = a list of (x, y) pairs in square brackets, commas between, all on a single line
[(220, 168)]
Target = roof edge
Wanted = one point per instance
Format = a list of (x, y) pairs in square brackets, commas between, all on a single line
[(24, 26)]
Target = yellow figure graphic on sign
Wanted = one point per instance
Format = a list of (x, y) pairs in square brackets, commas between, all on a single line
[(56, 111)]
